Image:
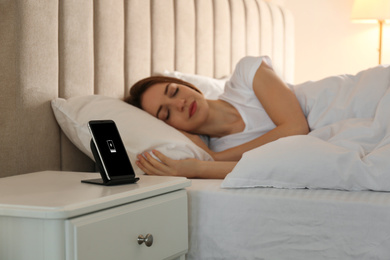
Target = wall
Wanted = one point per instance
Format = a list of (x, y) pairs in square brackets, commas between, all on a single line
[(328, 43)]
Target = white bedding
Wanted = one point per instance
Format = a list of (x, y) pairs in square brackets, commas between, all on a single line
[(347, 149), (286, 223)]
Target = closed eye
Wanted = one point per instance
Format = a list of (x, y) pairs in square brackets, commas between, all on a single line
[(175, 92), (166, 92), (166, 119)]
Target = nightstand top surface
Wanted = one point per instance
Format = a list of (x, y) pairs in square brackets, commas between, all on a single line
[(61, 195)]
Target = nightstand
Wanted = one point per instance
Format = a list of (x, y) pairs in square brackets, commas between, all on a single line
[(51, 215)]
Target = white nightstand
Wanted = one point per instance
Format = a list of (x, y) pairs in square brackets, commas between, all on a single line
[(52, 215)]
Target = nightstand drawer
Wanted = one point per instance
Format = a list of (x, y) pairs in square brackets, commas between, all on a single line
[(113, 233)]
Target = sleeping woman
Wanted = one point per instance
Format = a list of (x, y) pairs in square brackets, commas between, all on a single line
[(256, 108)]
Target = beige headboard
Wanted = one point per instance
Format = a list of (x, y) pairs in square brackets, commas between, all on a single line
[(66, 48)]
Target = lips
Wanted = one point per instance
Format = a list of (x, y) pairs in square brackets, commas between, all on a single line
[(192, 108)]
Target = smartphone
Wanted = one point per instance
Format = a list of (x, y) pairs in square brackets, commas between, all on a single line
[(110, 154)]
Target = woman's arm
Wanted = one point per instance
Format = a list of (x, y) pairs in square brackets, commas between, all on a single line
[(282, 107), (190, 168)]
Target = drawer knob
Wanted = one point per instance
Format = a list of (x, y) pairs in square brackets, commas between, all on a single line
[(148, 240)]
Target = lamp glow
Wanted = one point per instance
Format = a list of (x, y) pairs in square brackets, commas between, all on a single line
[(372, 11)]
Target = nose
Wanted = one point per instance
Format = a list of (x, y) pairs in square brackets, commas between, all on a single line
[(179, 104)]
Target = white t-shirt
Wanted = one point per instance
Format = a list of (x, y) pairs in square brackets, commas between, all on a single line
[(239, 93)]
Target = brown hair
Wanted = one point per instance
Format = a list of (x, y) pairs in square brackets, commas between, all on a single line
[(139, 88)]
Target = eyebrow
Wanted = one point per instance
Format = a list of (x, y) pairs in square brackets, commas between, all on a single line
[(165, 92)]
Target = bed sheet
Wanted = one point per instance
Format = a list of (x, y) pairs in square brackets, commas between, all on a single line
[(269, 223)]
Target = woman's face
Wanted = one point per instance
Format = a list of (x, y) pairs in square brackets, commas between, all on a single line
[(178, 105)]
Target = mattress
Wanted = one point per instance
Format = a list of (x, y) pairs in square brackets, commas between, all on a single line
[(269, 223)]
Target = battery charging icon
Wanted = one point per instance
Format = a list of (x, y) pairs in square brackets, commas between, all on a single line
[(111, 146)]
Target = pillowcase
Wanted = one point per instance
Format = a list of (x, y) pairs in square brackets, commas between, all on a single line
[(210, 87), (139, 131)]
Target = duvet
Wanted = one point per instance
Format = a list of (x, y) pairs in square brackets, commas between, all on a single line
[(348, 147)]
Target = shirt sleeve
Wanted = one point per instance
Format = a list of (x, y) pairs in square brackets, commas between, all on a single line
[(239, 88), (245, 71), (241, 80)]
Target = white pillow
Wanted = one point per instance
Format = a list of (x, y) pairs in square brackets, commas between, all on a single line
[(139, 131), (210, 87)]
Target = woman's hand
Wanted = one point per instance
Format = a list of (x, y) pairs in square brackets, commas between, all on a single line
[(167, 167)]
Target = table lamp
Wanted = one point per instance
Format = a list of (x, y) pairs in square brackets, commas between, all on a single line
[(372, 11)]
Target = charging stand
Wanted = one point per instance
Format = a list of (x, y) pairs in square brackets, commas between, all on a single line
[(118, 180)]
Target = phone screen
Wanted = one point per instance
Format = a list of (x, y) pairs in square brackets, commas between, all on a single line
[(110, 147)]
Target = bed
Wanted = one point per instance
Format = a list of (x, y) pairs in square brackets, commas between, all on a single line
[(66, 62)]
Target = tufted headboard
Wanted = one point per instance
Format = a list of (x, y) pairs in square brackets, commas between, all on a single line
[(66, 48)]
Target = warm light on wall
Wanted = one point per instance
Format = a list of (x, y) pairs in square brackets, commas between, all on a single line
[(372, 11)]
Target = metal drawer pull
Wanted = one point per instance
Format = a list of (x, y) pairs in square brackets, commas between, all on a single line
[(148, 240)]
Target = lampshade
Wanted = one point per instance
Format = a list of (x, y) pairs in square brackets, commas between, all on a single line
[(371, 10)]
